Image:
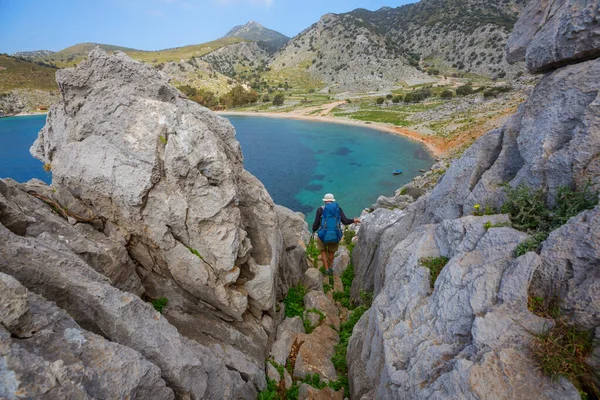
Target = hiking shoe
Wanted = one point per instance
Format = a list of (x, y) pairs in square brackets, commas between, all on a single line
[(330, 271)]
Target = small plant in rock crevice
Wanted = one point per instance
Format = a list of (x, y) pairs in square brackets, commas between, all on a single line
[(312, 252), (529, 212), (563, 351), (160, 303), (435, 266)]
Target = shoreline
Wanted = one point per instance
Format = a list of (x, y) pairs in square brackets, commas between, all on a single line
[(433, 149), (23, 114)]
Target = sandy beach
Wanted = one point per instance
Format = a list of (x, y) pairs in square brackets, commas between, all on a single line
[(435, 150)]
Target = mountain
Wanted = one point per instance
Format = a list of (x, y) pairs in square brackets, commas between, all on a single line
[(271, 40), (33, 54), (370, 50), (347, 55), (451, 35)]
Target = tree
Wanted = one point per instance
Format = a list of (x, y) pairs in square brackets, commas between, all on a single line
[(238, 96), (278, 99), (396, 99), (446, 94), (388, 96), (380, 100)]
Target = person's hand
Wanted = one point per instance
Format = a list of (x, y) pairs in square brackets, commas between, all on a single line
[(356, 221)]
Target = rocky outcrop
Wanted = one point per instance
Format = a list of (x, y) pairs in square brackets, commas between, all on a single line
[(150, 200), (467, 335), (230, 59), (46, 355), (551, 34), (23, 100)]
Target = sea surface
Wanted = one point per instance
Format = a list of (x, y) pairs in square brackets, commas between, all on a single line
[(297, 161)]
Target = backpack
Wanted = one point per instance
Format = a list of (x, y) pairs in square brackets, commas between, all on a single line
[(330, 230)]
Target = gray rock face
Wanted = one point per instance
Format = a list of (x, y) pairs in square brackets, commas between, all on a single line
[(468, 335), (52, 271), (58, 359), (293, 262), (570, 258), (313, 280), (169, 173), (287, 333), (551, 34)]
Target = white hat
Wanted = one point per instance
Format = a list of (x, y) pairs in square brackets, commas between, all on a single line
[(328, 197)]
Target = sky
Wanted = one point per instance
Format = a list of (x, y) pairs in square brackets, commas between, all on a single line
[(27, 25)]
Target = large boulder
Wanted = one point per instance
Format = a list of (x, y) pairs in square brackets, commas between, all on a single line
[(169, 174), (551, 34), (293, 263), (467, 337), (59, 359)]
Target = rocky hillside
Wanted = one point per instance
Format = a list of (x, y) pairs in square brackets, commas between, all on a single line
[(236, 58), (269, 39), (375, 50), (483, 282), (149, 206), (33, 54), (347, 55), (452, 36), (25, 85), (197, 73)]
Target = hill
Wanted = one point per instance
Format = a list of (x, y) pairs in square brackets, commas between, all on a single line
[(73, 55), (269, 39), (16, 73)]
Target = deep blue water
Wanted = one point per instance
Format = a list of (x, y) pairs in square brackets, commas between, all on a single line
[(297, 161)]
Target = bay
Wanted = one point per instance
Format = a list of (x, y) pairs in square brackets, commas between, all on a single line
[(298, 161)]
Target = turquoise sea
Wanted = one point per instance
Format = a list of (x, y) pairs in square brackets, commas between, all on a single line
[(297, 161)]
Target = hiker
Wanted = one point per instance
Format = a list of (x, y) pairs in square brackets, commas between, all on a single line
[(329, 230)]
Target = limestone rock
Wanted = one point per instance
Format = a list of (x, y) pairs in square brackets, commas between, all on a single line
[(319, 301), (293, 263), (570, 258), (287, 379), (106, 254), (341, 261), (272, 373), (14, 305), (59, 359), (315, 354), (287, 333), (307, 392), (313, 280), (553, 34), (52, 271), (169, 173), (459, 338)]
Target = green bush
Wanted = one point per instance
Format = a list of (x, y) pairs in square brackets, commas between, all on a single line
[(529, 212), (380, 100), (417, 96), (446, 94), (312, 252), (278, 99), (294, 302), (495, 91), (160, 303), (464, 90), (389, 96), (270, 393), (397, 99), (435, 266)]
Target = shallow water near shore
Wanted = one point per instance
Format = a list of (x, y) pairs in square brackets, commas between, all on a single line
[(297, 161)]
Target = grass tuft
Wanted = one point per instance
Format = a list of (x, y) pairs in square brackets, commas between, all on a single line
[(435, 266), (562, 351)]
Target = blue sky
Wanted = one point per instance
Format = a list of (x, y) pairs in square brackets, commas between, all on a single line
[(154, 24)]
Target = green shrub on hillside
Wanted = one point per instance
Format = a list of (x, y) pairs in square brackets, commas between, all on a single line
[(278, 99), (379, 100), (397, 99), (446, 94), (464, 90), (294, 302)]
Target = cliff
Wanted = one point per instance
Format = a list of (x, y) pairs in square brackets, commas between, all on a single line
[(149, 201), (471, 332)]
